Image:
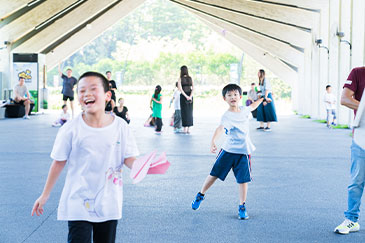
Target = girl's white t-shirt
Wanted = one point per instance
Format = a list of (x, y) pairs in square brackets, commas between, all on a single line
[(177, 94), (93, 189)]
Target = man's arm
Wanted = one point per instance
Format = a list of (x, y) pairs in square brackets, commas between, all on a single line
[(348, 100), (28, 95)]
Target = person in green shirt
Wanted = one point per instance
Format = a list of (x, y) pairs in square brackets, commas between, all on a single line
[(156, 103)]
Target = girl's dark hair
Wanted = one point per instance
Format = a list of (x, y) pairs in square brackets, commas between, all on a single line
[(104, 80), (231, 87), (184, 71), (262, 74), (157, 91), (63, 106)]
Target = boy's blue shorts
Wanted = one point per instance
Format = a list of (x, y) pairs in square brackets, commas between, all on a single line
[(239, 163)]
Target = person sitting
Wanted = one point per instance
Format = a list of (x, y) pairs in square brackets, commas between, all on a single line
[(63, 117), (122, 111), (22, 96)]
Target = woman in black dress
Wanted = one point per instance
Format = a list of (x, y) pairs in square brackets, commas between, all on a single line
[(186, 87), (121, 110)]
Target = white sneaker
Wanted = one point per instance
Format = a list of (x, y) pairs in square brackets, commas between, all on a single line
[(347, 226), (26, 117)]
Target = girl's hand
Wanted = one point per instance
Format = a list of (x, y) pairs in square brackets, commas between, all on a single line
[(268, 100), (38, 205), (264, 103)]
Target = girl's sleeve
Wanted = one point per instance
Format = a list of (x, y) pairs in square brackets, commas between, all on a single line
[(131, 146), (267, 85), (62, 145)]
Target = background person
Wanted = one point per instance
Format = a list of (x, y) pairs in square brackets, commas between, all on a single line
[(266, 110), (68, 87), (63, 117), (156, 103), (330, 104), (186, 87), (22, 96), (113, 87), (252, 96), (122, 111), (177, 113)]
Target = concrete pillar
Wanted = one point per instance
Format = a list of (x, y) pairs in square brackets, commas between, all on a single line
[(5, 70), (344, 59), (323, 65), (358, 34), (333, 45)]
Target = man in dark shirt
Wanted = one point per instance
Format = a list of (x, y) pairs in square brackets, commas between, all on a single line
[(351, 96), (68, 87), (113, 87)]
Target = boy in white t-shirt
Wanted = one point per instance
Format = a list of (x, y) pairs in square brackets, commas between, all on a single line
[(177, 113), (63, 118), (330, 104), (236, 151), (95, 146)]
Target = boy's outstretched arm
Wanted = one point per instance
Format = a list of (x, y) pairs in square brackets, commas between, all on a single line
[(218, 132), (255, 104), (53, 174), (129, 162)]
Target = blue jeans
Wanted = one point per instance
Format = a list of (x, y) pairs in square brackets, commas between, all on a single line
[(331, 112), (356, 188)]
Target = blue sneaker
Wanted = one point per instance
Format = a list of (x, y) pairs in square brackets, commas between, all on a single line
[(242, 212), (195, 205)]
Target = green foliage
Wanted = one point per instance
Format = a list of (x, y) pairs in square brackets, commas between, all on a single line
[(280, 88), (154, 19), (320, 121), (341, 126), (305, 116)]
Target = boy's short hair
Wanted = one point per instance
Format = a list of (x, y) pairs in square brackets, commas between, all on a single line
[(328, 86), (231, 87), (21, 78), (68, 69), (103, 79), (253, 84), (107, 72), (121, 98), (63, 106)]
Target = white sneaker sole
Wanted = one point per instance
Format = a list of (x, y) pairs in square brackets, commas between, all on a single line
[(346, 232)]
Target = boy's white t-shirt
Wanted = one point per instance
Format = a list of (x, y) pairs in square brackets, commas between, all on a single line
[(329, 97), (93, 189), (177, 99), (65, 116), (236, 129)]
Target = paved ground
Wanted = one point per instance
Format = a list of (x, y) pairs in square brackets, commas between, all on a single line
[(300, 169)]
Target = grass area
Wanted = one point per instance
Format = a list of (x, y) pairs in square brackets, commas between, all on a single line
[(305, 116), (341, 126), (320, 121)]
